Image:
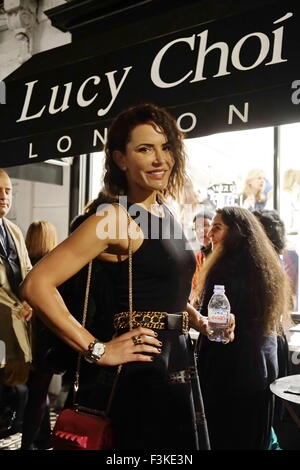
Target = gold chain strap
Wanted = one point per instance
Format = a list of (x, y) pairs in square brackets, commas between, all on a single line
[(84, 314), (130, 301), (130, 311)]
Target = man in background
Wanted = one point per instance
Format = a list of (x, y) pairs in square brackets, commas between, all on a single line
[(14, 314)]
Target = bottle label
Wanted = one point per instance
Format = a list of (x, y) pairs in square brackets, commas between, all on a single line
[(218, 317)]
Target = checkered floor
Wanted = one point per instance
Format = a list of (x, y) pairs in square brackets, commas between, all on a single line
[(14, 442)]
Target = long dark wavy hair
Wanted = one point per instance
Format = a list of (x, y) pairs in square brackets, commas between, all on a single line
[(247, 241)]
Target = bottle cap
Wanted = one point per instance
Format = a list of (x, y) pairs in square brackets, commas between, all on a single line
[(219, 289)]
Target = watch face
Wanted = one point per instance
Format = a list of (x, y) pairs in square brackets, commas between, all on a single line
[(98, 349)]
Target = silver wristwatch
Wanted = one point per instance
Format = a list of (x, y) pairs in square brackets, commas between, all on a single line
[(95, 351)]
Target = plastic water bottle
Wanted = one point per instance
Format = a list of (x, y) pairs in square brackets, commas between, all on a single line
[(218, 315)]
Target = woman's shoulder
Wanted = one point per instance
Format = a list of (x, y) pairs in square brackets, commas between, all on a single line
[(106, 212), (108, 226)]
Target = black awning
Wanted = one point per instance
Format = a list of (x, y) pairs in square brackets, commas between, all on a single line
[(239, 72)]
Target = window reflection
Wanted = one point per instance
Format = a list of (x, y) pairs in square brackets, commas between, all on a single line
[(225, 167)]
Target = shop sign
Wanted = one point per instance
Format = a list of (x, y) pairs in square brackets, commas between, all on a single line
[(235, 73)]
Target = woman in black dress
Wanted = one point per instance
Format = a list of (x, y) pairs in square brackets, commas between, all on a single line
[(158, 403), (235, 379)]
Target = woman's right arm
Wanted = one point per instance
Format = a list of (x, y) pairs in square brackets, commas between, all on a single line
[(39, 289)]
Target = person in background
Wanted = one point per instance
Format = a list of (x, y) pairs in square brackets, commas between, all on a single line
[(235, 378), (255, 192), (202, 221), (15, 314), (41, 238), (157, 402), (290, 200), (275, 230), (290, 207)]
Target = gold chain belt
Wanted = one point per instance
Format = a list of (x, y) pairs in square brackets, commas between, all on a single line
[(153, 320)]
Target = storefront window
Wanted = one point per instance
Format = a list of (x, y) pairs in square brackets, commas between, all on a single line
[(232, 168), (289, 203), (96, 173)]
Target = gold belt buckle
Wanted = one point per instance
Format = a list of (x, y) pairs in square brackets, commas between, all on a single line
[(148, 319)]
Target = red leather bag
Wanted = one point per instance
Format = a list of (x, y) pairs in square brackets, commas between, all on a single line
[(76, 429), (81, 428)]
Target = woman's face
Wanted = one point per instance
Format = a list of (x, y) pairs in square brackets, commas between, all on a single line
[(218, 231), (257, 183), (202, 227), (147, 160)]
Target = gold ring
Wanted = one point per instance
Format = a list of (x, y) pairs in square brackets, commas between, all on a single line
[(136, 340)]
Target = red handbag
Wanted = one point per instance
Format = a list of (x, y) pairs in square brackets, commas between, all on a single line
[(79, 429)]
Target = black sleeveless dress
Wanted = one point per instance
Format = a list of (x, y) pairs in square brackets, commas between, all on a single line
[(157, 405)]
